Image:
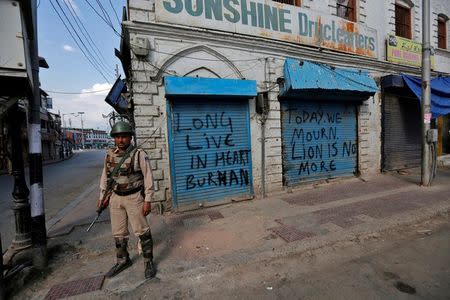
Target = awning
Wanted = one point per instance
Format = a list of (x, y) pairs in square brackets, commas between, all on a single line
[(197, 86), (311, 80), (440, 93)]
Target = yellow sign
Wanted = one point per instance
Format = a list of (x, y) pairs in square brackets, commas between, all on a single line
[(405, 52)]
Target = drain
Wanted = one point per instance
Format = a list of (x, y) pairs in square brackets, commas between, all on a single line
[(405, 288)]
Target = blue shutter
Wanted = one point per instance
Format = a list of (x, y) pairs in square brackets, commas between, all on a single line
[(210, 150), (319, 140)]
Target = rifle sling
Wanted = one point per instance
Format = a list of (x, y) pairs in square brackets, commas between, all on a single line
[(130, 150)]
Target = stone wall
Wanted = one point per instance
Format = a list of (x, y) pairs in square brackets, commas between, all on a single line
[(181, 51)]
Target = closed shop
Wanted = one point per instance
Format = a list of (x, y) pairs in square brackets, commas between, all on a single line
[(319, 140), (401, 133), (209, 140), (444, 135), (401, 126), (319, 120)]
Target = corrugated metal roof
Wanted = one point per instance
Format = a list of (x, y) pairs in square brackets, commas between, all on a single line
[(193, 86), (314, 79)]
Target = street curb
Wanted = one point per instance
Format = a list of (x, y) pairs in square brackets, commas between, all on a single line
[(69, 229), (63, 212), (51, 162), (44, 163)]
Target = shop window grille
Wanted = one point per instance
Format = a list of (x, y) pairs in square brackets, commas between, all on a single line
[(442, 33), (402, 21), (346, 9), (291, 2)]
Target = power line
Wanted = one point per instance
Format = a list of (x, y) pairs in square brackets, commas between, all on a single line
[(76, 42), (101, 17), (115, 12), (93, 57), (84, 30), (76, 93), (330, 69), (94, 60), (105, 13), (79, 38), (161, 52)]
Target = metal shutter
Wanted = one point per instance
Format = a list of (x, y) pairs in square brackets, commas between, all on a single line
[(401, 133), (210, 150), (319, 140)]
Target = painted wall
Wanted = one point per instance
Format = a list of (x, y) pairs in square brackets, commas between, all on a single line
[(182, 51)]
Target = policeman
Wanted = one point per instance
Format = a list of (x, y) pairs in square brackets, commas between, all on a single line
[(130, 199)]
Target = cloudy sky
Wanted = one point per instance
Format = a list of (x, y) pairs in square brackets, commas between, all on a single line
[(72, 81)]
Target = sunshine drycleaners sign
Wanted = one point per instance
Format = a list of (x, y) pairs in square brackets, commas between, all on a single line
[(273, 20)]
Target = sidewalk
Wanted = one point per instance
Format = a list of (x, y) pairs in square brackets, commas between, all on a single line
[(443, 161), (44, 163), (203, 243)]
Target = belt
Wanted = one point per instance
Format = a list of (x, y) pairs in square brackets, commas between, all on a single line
[(129, 192)]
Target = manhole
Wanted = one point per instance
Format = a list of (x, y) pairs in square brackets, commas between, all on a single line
[(405, 288), (214, 215), (290, 234), (77, 287)]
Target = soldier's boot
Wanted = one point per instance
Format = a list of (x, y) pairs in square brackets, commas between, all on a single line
[(123, 258), (147, 253)]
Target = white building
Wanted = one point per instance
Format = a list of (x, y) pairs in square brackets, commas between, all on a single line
[(239, 98), (97, 139)]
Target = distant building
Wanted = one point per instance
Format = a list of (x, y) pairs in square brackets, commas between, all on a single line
[(93, 138), (51, 135), (96, 139)]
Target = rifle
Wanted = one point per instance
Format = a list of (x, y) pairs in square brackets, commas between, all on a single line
[(109, 186)]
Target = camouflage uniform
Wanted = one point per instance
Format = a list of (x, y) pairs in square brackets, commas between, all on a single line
[(133, 185)]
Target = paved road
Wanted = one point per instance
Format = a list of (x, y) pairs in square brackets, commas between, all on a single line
[(411, 263), (63, 182)]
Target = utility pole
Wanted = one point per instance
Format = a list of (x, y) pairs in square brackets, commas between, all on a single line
[(39, 232), (23, 235), (2, 282), (82, 129), (426, 93)]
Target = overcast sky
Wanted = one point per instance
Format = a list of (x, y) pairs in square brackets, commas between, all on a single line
[(69, 70)]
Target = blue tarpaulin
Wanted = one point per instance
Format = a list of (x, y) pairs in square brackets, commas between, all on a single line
[(311, 80), (440, 93)]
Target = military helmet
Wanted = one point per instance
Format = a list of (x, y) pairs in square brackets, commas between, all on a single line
[(121, 127)]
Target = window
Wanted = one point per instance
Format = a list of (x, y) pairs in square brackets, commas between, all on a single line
[(346, 9), (291, 2), (402, 21), (442, 32)]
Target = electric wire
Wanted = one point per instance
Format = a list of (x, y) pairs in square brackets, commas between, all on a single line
[(108, 23), (102, 18), (77, 42), (75, 93), (105, 13), (85, 32), (329, 69), (115, 12), (93, 57), (76, 33)]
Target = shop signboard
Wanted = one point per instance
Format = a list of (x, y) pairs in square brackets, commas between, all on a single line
[(270, 19), (405, 51)]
